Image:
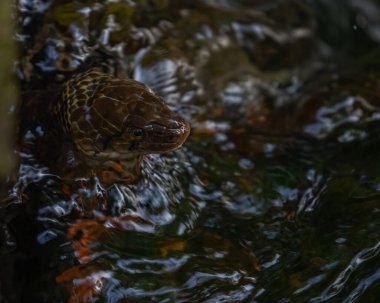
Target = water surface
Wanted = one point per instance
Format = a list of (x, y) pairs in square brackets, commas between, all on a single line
[(273, 198)]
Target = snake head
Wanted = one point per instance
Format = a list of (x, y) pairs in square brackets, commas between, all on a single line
[(154, 128), (111, 118)]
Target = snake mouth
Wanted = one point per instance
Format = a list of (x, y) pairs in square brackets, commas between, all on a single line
[(164, 138)]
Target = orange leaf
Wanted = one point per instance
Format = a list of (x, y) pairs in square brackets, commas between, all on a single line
[(174, 246)]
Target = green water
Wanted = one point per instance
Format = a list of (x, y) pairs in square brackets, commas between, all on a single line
[(273, 198)]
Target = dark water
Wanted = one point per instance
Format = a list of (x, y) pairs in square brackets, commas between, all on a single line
[(273, 198)]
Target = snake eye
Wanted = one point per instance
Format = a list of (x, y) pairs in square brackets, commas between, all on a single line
[(138, 133)]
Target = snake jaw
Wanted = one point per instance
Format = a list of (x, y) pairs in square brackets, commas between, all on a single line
[(156, 139), (161, 139)]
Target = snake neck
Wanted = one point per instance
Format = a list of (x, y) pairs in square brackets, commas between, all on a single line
[(126, 171)]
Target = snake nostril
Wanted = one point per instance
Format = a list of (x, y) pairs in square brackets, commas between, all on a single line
[(173, 124)]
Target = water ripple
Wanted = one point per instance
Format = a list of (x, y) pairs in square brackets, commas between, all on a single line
[(344, 120), (344, 277)]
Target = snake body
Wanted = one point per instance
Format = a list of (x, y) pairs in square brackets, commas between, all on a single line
[(114, 122)]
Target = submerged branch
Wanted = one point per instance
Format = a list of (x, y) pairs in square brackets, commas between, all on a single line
[(8, 88)]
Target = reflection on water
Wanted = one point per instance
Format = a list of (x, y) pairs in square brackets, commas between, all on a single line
[(273, 198)]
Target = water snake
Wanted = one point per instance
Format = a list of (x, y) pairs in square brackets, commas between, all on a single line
[(112, 123)]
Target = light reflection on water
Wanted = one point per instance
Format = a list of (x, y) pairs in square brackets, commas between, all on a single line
[(274, 198)]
